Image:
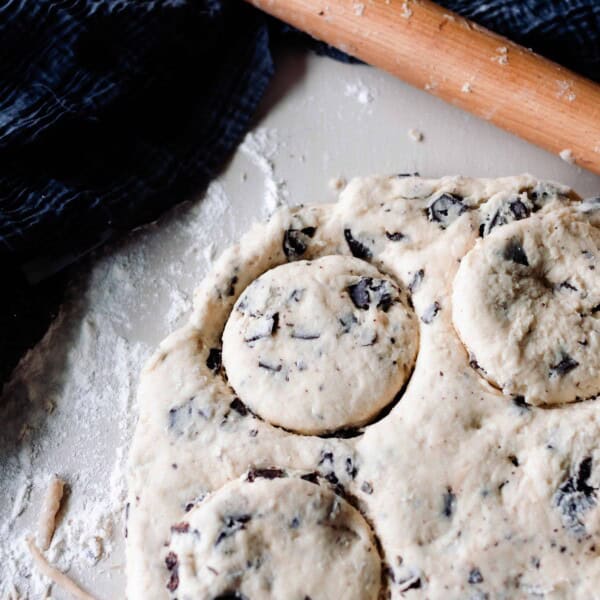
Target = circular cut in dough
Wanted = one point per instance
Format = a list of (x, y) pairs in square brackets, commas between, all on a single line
[(315, 346), (279, 538), (526, 303)]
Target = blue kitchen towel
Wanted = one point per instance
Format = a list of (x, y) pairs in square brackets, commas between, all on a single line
[(111, 111)]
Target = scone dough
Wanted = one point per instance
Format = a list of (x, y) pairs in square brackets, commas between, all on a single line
[(273, 536), (315, 346), (526, 303), (469, 491)]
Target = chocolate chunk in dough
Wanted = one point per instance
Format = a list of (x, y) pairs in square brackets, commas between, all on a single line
[(445, 209), (213, 362), (565, 365), (357, 248), (448, 503), (268, 473), (231, 525), (514, 251), (475, 576), (431, 312), (575, 497), (296, 241), (369, 290), (395, 236)]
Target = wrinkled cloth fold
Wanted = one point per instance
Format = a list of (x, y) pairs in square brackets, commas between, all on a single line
[(112, 111)]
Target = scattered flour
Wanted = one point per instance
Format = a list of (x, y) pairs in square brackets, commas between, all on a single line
[(180, 305), (567, 156), (415, 135), (466, 88), (502, 57), (359, 91), (89, 369), (69, 405), (565, 89), (406, 10), (209, 253), (260, 146), (359, 9), (337, 184)]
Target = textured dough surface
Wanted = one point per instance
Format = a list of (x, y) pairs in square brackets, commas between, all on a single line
[(526, 303), (470, 491), (316, 346), (278, 538)]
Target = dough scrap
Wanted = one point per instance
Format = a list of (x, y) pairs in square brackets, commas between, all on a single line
[(50, 508), (58, 577)]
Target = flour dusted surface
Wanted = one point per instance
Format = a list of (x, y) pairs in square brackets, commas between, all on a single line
[(68, 408)]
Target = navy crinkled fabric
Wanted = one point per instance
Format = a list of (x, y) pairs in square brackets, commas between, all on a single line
[(111, 111)]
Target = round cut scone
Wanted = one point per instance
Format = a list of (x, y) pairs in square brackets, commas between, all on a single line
[(315, 346), (526, 303), (273, 538)]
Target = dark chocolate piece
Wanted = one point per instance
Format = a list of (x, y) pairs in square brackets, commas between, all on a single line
[(264, 365), (445, 209), (294, 244), (180, 527), (514, 251), (448, 502), (298, 335), (265, 327), (369, 290), (326, 457), (297, 295), (265, 473), (366, 487), (575, 497), (347, 321), (232, 282), (357, 248), (231, 525), (295, 241), (396, 236), (475, 576), (565, 285), (513, 210), (431, 312), (181, 416), (412, 583), (214, 360), (171, 560), (350, 467), (416, 281), (565, 365), (173, 582), (519, 210), (519, 402), (311, 477), (239, 407)]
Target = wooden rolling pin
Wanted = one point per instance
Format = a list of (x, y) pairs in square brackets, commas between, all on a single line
[(463, 63)]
